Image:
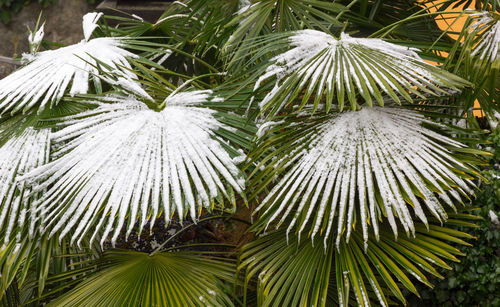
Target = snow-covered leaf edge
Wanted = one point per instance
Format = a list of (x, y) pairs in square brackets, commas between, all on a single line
[(319, 67)]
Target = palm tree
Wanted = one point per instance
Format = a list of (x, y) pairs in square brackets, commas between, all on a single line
[(321, 133)]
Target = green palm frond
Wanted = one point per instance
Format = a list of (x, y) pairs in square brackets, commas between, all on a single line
[(477, 54), (319, 65), (302, 274), (355, 167), (287, 273), (164, 279)]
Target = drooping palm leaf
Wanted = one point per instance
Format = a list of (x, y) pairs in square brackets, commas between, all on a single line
[(44, 81), (300, 273), (165, 279), (478, 59), (358, 167), (319, 65), (123, 160), (486, 27), (19, 155)]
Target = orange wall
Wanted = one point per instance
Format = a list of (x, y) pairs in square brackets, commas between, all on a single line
[(455, 23)]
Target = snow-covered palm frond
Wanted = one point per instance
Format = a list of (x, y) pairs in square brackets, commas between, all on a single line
[(45, 79), (18, 156), (318, 64), (358, 167), (487, 42), (123, 159)]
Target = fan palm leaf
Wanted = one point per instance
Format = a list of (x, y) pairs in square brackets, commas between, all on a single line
[(164, 279), (300, 273), (317, 64), (358, 166), (125, 160), (45, 79)]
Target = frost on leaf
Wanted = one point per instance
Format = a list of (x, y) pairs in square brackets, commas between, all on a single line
[(19, 155), (488, 29), (123, 161), (321, 65), (356, 168)]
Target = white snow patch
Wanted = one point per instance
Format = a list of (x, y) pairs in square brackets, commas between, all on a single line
[(494, 218), (89, 24)]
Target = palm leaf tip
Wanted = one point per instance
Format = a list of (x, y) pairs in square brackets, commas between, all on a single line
[(123, 159), (18, 156), (362, 166), (319, 64), (89, 23)]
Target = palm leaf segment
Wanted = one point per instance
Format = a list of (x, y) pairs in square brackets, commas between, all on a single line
[(322, 65), (361, 166), (127, 160), (18, 156), (49, 73)]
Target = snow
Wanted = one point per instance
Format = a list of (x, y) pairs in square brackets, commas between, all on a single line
[(89, 24), (243, 6), (494, 218), (36, 38), (20, 155), (353, 154), (264, 127), (124, 160), (332, 65)]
